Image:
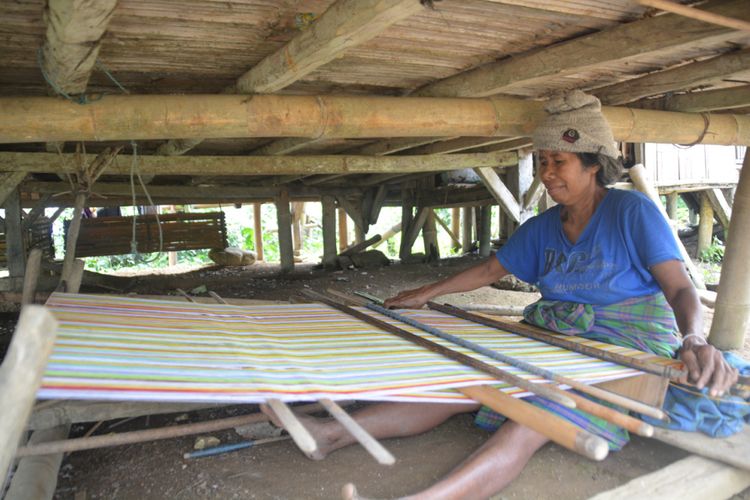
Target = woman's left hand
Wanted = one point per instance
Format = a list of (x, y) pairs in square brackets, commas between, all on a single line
[(705, 366)]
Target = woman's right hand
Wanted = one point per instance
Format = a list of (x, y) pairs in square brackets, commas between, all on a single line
[(409, 299)]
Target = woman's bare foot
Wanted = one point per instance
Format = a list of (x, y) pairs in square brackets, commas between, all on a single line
[(349, 492), (327, 433)]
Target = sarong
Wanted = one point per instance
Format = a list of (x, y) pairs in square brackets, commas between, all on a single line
[(644, 323)]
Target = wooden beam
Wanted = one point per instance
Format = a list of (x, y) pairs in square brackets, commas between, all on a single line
[(692, 478), (346, 24), (39, 119), (15, 249), (75, 29), (451, 232), (284, 146), (699, 14), (377, 204), (410, 235), (685, 77), (343, 230), (652, 35), (732, 312), (500, 192), (720, 206), (258, 230), (462, 144), (9, 181), (705, 225), (354, 211), (485, 233), (732, 450), (267, 165), (390, 146), (705, 100), (36, 212), (467, 229), (429, 236)]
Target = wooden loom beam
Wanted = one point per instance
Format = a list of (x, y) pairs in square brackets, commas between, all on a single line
[(556, 429)]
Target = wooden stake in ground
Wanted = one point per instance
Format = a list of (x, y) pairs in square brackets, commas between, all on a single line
[(21, 375)]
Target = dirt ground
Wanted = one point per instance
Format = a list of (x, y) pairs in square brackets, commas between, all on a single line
[(157, 470)]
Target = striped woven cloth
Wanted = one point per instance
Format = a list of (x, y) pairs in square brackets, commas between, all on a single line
[(121, 348)]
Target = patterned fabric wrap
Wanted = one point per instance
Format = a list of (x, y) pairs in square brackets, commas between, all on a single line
[(643, 323)]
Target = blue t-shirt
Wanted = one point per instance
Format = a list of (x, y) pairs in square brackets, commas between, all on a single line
[(610, 261)]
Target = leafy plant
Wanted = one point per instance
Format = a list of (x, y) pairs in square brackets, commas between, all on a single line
[(714, 253)]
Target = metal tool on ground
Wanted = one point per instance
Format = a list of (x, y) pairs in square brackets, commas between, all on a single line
[(544, 422)]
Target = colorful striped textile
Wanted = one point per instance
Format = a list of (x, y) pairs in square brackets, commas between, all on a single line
[(121, 348)]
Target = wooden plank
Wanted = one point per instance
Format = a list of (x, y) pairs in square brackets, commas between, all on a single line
[(706, 100), (261, 165), (732, 450), (653, 34), (21, 375), (500, 192), (685, 77), (329, 231), (693, 478)]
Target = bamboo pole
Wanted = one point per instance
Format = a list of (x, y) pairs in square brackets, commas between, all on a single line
[(106, 440), (21, 375), (485, 233), (368, 442), (467, 229), (705, 224), (455, 228), (328, 209), (258, 230), (36, 477), (137, 117), (33, 266), (284, 222), (696, 13), (732, 312), (343, 230)]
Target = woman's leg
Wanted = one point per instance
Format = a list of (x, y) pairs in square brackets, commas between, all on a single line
[(383, 420)]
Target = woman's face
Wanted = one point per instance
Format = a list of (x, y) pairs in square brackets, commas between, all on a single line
[(566, 179)]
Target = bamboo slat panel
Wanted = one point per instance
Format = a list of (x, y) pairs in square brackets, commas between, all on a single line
[(181, 231)]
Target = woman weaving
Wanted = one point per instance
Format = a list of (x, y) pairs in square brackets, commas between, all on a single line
[(603, 257)]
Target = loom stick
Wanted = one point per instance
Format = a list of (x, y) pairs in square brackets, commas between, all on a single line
[(548, 424), (375, 449), (105, 440), (536, 370), (294, 427), (543, 390), (526, 331)]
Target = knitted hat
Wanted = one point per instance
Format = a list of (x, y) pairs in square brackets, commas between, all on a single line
[(575, 124)]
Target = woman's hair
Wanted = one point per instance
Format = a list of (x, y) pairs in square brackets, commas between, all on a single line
[(611, 168)]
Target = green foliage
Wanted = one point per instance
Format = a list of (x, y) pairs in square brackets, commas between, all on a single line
[(714, 253)]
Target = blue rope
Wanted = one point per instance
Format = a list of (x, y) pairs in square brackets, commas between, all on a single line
[(83, 98)]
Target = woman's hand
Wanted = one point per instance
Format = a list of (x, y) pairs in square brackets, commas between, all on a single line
[(706, 366), (409, 299)]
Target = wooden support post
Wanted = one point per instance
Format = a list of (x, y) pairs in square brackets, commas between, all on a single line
[(467, 229), (672, 199), (429, 236), (732, 312), (284, 219), (407, 215), (172, 256), (21, 375), (523, 181), (720, 206), (455, 228), (641, 182), (451, 233), (485, 233), (9, 181), (294, 427), (298, 215), (377, 203), (27, 482), (410, 235), (15, 251), (329, 231), (343, 230), (500, 192), (258, 230), (72, 237), (31, 277), (705, 226)]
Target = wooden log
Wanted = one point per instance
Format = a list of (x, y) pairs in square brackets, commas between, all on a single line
[(375, 449), (105, 440), (360, 246), (298, 215), (21, 375), (732, 311), (258, 230), (410, 235), (705, 225), (485, 232), (641, 182), (35, 119), (455, 228), (429, 236), (500, 192), (388, 235), (672, 199), (9, 181), (720, 206), (72, 238), (733, 450), (407, 216), (377, 203), (707, 100), (284, 222), (329, 231), (36, 477), (15, 251), (692, 478), (699, 14)]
